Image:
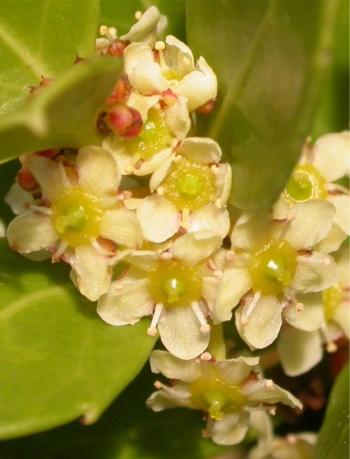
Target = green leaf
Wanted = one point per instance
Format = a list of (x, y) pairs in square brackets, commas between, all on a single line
[(62, 114), (128, 430), (333, 440), (270, 57), (41, 38), (58, 360)]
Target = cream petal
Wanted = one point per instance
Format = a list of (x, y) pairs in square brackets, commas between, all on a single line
[(2, 229), (178, 55), (124, 160), (192, 248), (98, 172), (262, 326), (332, 241), (223, 294), (146, 29), (342, 259), (30, 232), (146, 260), (234, 371), (18, 199), (281, 209), (251, 231), (178, 119), (121, 226), (311, 221), (308, 319), (159, 219), (48, 174), (267, 392), (230, 430), (174, 368), (223, 180), (299, 350), (179, 331), (178, 395), (126, 302), (142, 103), (151, 164), (210, 218), (160, 173), (91, 272), (200, 150), (198, 86), (315, 273), (341, 317), (342, 210), (332, 157)]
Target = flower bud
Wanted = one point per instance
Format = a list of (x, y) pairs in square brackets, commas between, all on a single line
[(125, 121)]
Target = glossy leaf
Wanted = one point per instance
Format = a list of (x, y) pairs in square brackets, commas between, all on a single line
[(333, 440), (62, 114), (41, 38), (58, 360), (270, 57), (128, 430)]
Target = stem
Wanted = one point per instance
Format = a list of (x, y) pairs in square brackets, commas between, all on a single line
[(217, 347)]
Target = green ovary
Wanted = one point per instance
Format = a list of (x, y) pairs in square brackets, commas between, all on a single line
[(212, 394), (189, 185), (273, 267), (155, 136), (77, 216), (331, 300), (306, 183), (173, 284)]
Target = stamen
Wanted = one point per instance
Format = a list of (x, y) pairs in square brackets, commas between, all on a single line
[(166, 255), (138, 15), (64, 176), (60, 250), (310, 260), (184, 217), (299, 307), (330, 344), (204, 326), (152, 330), (272, 410), (158, 385), (249, 308), (103, 30), (159, 45), (206, 356), (41, 209), (160, 191)]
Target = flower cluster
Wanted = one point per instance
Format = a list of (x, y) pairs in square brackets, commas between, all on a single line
[(143, 221)]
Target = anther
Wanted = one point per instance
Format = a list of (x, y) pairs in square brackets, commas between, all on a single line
[(204, 326), (249, 308), (152, 330), (138, 15), (206, 356), (159, 45)]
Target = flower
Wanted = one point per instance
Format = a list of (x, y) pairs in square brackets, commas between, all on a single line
[(76, 217), (227, 390), (324, 319), (192, 189), (170, 66), (278, 263), (313, 179)]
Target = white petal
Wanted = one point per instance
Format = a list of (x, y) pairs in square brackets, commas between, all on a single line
[(264, 323), (191, 248), (341, 317), (315, 273), (30, 232), (332, 157), (230, 430), (311, 222), (179, 395), (159, 219), (281, 209), (124, 160), (266, 391), (151, 164), (200, 150), (299, 351), (2, 229), (178, 119), (126, 302), (332, 241), (160, 173), (210, 218), (90, 272), (97, 170), (48, 174), (146, 28), (342, 211), (234, 371), (142, 103), (174, 368), (18, 199), (121, 226), (199, 86), (251, 231), (180, 334), (223, 294), (178, 55), (223, 180), (147, 260), (309, 318)]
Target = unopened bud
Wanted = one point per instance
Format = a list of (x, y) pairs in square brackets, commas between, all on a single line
[(117, 47), (26, 180), (120, 92), (206, 108), (125, 121)]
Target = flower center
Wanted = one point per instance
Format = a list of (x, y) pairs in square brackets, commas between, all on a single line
[(155, 136), (173, 284), (172, 74), (331, 300), (189, 185), (76, 216), (212, 394), (306, 183), (273, 267)]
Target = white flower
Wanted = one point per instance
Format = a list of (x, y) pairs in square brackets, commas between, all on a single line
[(77, 218), (171, 67), (328, 160), (227, 390)]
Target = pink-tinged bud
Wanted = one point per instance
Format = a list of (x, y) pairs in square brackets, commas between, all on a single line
[(125, 121), (26, 180), (116, 48), (206, 108), (168, 99), (120, 92), (48, 153)]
